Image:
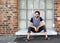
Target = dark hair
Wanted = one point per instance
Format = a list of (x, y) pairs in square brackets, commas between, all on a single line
[(37, 12)]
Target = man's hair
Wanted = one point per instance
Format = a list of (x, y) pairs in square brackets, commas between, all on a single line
[(37, 12)]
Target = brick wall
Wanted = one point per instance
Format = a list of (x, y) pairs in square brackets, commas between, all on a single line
[(57, 15), (8, 16)]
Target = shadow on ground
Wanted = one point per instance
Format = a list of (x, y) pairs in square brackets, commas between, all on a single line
[(34, 39), (39, 39)]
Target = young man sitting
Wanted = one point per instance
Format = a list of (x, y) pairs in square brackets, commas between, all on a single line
[(36, 25)]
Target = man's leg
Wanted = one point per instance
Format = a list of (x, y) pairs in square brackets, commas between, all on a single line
[(29, 31), (44, 28), (28, 36), (46, 35)]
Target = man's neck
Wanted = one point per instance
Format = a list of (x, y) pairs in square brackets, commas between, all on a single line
[(37, 18)]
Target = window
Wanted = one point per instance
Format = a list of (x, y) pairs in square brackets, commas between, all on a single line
[(27, 8)]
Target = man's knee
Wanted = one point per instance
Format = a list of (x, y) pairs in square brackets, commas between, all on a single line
[(29, 29), (44, 28)]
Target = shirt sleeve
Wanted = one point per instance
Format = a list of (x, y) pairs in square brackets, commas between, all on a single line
[(31, 20), (41, 19)]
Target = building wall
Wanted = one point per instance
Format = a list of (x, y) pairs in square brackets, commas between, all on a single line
[(57, 15), (8, 16)]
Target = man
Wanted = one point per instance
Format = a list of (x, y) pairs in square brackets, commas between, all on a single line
[(37, 24)]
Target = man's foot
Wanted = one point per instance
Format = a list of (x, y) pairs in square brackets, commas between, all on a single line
[(27, 40), (47, 38)]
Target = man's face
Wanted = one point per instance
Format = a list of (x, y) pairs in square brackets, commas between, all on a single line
[(36, 15)]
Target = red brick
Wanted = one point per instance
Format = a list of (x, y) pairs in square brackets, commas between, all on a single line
[(57, 15), (5, 11)]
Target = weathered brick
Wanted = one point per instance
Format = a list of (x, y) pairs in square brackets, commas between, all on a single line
[(8, 9), (57, 15)]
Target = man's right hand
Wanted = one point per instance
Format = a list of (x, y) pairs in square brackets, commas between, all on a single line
[(35, 29)]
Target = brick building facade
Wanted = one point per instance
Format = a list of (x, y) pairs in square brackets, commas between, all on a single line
[(57, 15), (9, 16)]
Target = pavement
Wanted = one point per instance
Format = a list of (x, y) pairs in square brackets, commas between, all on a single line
[(7, 39), (39, 39), (34, 39)]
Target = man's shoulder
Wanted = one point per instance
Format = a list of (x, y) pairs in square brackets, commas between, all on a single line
[(40, 17), (31, 17)]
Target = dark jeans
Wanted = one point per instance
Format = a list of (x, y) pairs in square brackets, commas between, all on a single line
[(33, 30)]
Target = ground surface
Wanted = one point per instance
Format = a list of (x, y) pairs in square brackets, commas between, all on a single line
[(34, 39)]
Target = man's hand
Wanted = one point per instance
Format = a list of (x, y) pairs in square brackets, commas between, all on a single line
[(36, 29)]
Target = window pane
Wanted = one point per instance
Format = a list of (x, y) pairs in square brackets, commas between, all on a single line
[(36, 4), (49, 4), (22, 4), (30, 4), (42, 4), (22, 24), (42, 14), (28, 23), (49, 14), (49, 24), (30, 14), (22, 14)]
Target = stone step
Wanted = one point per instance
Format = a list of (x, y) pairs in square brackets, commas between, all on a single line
[(24, 32)]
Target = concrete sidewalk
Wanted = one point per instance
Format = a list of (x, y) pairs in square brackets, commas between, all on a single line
[(39, 39), (7, 39), (34, 39)]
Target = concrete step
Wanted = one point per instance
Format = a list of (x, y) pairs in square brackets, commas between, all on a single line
[(24, 32)]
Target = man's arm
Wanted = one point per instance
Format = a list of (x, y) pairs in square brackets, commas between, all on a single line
[(31, 25), (41, 24)]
